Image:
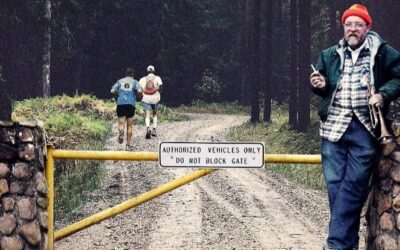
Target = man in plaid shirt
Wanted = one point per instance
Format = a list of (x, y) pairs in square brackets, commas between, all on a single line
[(349, 144)]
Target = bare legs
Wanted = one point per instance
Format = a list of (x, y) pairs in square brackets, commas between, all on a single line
[(129, 124), (121, 128), (147, 122)]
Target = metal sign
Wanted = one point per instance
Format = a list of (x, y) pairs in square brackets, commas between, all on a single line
[(212, 154)]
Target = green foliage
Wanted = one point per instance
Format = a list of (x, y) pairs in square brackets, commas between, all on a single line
[(81, 123), (43, 108), (166, 114), (209, 88), (76, 124), (74, 180), (214, 108), (280, 138), (68, 119)]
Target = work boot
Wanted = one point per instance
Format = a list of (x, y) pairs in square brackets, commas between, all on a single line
[(121, 137), (148, 134), (154, 133)]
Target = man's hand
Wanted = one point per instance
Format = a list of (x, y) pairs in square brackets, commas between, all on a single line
[(317, 80), (376, 100), (114, 95)]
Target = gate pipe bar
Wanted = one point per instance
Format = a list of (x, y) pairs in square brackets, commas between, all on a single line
[(105, 155), (295, 159), (153, 156), (50, 196), (96, 218)]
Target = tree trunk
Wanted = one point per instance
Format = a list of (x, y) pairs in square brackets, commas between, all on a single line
[(78, 73), (268, 55), (245, 53), (46, 50), (255, 61), (279, 55), (294, 97), (304, 64), (335, 29)]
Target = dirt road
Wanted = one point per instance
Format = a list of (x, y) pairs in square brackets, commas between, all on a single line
[(228, 209)]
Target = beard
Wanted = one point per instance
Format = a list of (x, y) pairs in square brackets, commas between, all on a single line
[(354, 41)]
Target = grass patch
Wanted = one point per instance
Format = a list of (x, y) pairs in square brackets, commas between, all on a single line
[(74, 179), (280, 138), (44, 108), (69, 121), (82, 122), (76, 123), (214, 108), (164, 114)]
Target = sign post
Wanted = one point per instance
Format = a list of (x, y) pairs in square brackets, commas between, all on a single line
[(212, 154)]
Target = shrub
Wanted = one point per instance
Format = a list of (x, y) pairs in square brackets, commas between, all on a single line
[(209, 88)]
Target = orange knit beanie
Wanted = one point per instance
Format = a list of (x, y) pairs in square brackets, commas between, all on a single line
[(357, 10)]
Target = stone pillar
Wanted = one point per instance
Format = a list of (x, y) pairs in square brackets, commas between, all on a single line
[(23, 189), (383, 213)]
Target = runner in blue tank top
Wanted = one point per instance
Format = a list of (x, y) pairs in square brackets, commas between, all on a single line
[(124, 92)]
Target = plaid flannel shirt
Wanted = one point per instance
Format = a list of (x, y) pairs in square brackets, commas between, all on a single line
[(351, 98)]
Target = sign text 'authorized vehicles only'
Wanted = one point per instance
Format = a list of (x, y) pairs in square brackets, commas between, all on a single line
[(212, 154)]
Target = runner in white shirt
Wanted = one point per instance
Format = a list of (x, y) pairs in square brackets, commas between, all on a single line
[(150, 85)]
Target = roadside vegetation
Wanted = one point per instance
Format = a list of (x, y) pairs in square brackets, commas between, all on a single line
[(278, 137), (201, 107), (82, 122)]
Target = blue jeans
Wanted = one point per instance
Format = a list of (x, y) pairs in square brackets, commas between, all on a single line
[(347, 166)]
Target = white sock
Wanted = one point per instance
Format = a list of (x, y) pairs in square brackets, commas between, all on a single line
[(155, 122), (147, 121)]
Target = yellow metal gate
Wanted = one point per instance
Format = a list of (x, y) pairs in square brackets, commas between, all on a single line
[(53, 154)]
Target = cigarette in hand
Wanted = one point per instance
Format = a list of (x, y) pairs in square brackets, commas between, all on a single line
[(314, 70)]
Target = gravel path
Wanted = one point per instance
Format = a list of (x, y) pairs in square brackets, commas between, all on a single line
[(228, 209)]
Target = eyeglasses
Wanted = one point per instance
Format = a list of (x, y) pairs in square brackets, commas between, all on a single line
[(356, 24)]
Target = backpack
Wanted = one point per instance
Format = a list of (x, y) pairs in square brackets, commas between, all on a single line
[(150, 88)]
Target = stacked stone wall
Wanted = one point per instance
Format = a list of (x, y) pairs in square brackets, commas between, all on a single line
[(23, 189)]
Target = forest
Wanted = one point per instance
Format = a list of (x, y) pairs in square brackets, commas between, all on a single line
[(253, 52)]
